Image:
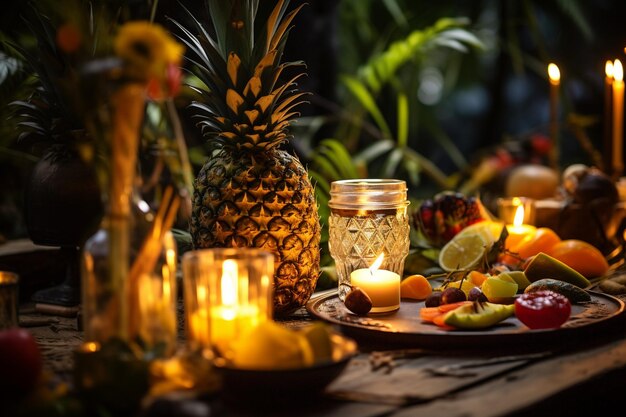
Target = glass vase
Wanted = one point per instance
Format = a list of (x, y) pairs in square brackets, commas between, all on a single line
[(139, 309)]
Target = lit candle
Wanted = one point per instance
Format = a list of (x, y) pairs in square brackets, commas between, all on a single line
[(227, 291), (518, 230), (618, 119), (231, 318), (382, 286), (608, 118), (555, 80)]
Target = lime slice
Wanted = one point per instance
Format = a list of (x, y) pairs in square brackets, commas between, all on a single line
[(489, 230), (462, 252)]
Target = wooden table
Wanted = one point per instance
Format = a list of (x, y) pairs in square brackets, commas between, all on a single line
[(583, 379)]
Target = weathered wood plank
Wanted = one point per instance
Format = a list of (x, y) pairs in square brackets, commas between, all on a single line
[(417, 380), (533, 386)]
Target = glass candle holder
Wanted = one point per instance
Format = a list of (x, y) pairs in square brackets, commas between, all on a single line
[(508, 207), (9, 299), (227, 292), (368, 217)]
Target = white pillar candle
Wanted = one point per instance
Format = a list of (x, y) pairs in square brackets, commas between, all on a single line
[(382, 286)]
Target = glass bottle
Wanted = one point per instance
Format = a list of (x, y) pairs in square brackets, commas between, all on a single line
[(367, 217)]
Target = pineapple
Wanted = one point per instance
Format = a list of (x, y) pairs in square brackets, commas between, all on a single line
[(251, 193)]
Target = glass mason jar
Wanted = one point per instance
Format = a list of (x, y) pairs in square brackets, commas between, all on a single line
[(368, 217)]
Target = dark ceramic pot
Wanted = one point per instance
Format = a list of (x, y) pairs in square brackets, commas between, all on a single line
[(63, 205)]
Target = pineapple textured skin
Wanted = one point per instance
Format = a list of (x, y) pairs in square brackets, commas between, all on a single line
[(264, 201)]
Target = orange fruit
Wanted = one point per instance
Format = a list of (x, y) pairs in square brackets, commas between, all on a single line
[(539, 241), (580, 256), (416, 287), (477, 278)]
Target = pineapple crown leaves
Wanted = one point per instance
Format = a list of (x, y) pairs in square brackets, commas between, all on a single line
[(244, 103)]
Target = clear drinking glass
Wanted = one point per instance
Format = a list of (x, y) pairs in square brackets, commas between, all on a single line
[(368, 217)]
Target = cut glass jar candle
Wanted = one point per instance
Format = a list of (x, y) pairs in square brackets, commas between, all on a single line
[(226, 292), (367, 217)]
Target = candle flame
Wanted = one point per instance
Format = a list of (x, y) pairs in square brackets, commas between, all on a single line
[(608, 69), (618, 70), (201, 295), (554, 73), (229, 283), (377, 263), (519, 216)]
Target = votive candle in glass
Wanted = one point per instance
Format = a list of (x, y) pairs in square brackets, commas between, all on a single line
[(227, 292), (518, 213), (367, 217)]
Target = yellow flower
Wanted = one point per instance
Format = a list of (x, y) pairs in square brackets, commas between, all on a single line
[(147, 50)]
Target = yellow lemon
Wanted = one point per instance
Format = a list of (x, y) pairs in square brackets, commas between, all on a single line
[(462, 252)]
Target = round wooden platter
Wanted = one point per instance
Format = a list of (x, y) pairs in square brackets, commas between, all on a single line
[(405, 328)]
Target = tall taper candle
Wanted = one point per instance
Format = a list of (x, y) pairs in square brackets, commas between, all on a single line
[(618, 119), (607, 157), (555, 80)]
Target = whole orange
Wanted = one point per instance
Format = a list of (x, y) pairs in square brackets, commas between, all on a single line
[(581, 256)]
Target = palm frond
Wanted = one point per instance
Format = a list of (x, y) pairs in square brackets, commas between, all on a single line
[(446, 32)]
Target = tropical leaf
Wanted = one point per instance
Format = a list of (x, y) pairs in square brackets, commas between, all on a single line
[(572, 9), (375, 150), (403, 119), (333, 161), (446, 32), (392, 162), (396, 12), (365, 98)]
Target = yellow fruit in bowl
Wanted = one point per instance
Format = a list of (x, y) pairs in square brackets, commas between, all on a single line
[(272, 346), (319, 337)]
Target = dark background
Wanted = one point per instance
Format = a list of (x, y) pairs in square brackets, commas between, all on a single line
[(499, 94)]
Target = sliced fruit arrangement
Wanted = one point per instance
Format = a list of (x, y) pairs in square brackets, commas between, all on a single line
[(474, 299)]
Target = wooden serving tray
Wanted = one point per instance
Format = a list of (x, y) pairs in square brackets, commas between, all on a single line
[(405, 328)]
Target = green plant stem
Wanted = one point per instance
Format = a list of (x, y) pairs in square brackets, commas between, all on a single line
[(182, 146)]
